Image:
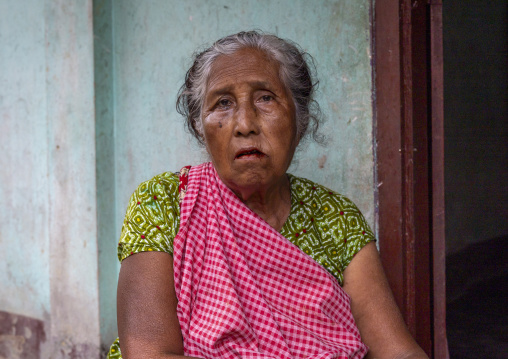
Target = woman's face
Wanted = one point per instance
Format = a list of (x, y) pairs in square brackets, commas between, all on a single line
[(248, 120)]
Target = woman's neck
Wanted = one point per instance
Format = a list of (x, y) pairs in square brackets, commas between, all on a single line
[(272, 204)]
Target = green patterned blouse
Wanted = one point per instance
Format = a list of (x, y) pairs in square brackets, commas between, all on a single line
[(324, 224)]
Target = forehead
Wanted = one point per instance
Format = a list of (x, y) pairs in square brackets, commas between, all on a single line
[(247, 64)]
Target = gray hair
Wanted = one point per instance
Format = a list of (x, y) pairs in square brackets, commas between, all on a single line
[(296, 72)]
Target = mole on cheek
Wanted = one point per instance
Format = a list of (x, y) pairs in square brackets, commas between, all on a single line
[(220, 124)]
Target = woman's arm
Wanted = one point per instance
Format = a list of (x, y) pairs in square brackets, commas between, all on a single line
[(379, 320), (148, 326)]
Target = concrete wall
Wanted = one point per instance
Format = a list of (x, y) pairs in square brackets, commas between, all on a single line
[(48, 226), (70, 163)]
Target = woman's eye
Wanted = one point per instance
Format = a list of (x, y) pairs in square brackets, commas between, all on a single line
[(266, 98), (223, 103)]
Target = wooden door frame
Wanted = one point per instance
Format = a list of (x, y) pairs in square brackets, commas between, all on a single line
[(408, 108)]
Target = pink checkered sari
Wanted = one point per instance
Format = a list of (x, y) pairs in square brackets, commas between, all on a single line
[(245, 291)]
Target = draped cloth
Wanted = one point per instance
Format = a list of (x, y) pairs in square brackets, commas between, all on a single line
[(245, 291)]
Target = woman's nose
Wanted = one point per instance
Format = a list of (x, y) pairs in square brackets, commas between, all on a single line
[(246, 120)]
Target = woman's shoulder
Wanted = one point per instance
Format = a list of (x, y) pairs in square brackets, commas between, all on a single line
[(165, 182), (332, 212), (326, 225), (152, 218), (303, 187), (162, 187)]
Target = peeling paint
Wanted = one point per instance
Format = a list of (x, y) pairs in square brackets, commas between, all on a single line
[(65, 348), (20, 337), (11, 346), (322, 161)]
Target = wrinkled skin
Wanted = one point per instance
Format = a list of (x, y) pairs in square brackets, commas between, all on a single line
[(249, 128)]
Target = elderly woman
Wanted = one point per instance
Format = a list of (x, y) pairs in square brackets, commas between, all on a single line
[(236, 258)]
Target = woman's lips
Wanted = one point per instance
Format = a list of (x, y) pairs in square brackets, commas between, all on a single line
[(249, 153)]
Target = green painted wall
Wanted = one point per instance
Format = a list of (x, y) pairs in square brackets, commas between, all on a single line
[(48, 226), (105, 167), (70, 112), (24, 160)]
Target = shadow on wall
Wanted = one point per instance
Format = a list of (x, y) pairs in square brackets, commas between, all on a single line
[(477, 292)]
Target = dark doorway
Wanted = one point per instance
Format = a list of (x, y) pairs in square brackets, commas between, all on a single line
[(476, 176)]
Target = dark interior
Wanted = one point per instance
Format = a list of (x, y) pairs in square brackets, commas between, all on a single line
[(476, 177)]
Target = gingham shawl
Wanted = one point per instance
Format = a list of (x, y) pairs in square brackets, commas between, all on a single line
[(245, 291)]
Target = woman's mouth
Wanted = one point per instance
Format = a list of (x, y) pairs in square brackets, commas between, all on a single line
[(250, 153)]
